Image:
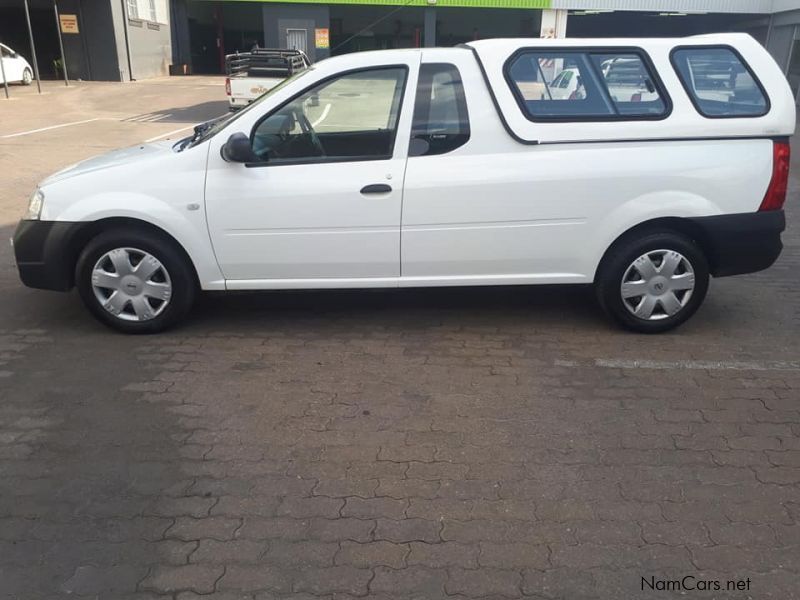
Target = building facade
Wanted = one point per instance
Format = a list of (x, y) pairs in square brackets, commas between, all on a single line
[(104, 40), (205, 30), (120, 40)]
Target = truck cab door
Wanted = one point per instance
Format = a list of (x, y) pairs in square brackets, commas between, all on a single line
[(320, 203)]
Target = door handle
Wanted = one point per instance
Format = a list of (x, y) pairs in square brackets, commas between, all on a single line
[(376, 188)]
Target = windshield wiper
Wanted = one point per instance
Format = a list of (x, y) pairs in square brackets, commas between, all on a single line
[(201, 129)]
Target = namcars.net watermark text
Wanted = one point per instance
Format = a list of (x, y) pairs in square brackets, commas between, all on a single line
[(691, 583)]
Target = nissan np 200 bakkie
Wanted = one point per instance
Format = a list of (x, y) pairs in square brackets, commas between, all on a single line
[(641, 166)]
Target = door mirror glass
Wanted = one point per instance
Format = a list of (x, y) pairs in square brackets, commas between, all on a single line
[(238, 149)]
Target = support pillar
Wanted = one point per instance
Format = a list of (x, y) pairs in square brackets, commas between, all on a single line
[(61, 44), (3, 73), (554, 23), (429, 39), (33, 47)]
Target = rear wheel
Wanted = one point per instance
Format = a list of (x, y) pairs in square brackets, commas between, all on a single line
[(27, 77), (135, 281), (654, 282)]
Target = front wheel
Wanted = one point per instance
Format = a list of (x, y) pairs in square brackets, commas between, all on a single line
[(135, 281), (27, 77), (653, 283)]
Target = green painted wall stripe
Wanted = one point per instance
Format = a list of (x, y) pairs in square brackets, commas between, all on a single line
[(538, 4)]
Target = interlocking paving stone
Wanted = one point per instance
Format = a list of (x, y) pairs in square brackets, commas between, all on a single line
[(492, 443)]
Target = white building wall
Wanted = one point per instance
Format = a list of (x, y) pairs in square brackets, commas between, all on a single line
[(720, 6), (155, 11), (783, 5)]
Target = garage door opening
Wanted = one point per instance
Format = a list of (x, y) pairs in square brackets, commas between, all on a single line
[(585, 23), (14, 34), (359, 28)]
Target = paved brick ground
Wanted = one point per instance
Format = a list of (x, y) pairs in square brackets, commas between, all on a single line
[(420, 444)]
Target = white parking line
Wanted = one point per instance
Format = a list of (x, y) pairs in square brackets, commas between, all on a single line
[(148, 118), (21, 133), (324, 114), (705, 365), (169, 133)]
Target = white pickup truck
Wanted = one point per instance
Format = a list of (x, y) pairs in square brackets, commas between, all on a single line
[(252, 74), (443, 167)]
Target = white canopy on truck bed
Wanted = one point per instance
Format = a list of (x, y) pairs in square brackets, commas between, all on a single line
[(681, 121)]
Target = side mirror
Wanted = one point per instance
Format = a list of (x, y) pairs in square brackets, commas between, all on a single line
[(238, 149)]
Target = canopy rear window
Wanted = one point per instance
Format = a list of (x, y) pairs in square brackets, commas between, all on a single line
[(719, 82)]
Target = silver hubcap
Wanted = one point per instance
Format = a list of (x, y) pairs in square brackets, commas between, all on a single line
[(26, 76), (657, 285), (131, 284)]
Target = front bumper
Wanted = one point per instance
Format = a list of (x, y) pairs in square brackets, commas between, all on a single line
[(45, 252), (741, 243)]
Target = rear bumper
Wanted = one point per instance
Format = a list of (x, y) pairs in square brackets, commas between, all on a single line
[(43, 252), (741, 243), (238, 103)]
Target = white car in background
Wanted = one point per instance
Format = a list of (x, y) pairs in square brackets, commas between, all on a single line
[(626, 81), (16, 68)]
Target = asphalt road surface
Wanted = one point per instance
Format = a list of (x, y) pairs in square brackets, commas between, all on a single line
[(464, 443)]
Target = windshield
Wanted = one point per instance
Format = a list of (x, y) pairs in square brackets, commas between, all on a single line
[(209, 129)]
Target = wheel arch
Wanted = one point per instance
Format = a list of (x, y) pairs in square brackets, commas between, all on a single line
[(94, 228), (681, 225)]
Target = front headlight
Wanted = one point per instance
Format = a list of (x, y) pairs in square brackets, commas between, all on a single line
[(35, 206)]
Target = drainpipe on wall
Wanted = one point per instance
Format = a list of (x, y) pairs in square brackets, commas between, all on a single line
[(127, 40)]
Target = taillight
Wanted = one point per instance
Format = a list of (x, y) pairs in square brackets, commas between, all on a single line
[(228, 86), (776, 192), (637, 97)]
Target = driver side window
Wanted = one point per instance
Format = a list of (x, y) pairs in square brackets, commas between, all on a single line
[(351, 117)]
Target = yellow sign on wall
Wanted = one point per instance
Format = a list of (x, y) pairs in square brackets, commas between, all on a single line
[(69, 23), (322, 38)]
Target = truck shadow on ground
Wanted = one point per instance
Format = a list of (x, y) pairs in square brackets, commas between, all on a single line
[(568, 306), (196, 113)]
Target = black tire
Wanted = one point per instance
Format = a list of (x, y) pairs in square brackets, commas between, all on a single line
[(180, 272), (621, 256)]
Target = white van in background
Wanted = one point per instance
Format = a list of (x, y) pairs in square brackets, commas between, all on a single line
[(16, 68)]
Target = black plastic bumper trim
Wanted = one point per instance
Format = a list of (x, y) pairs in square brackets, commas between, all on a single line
[(43, 252), (742, 243), (735, 244)]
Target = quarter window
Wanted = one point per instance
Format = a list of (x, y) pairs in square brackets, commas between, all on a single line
[(573, 85), (351, 117), (441, 123), (719, 83)]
